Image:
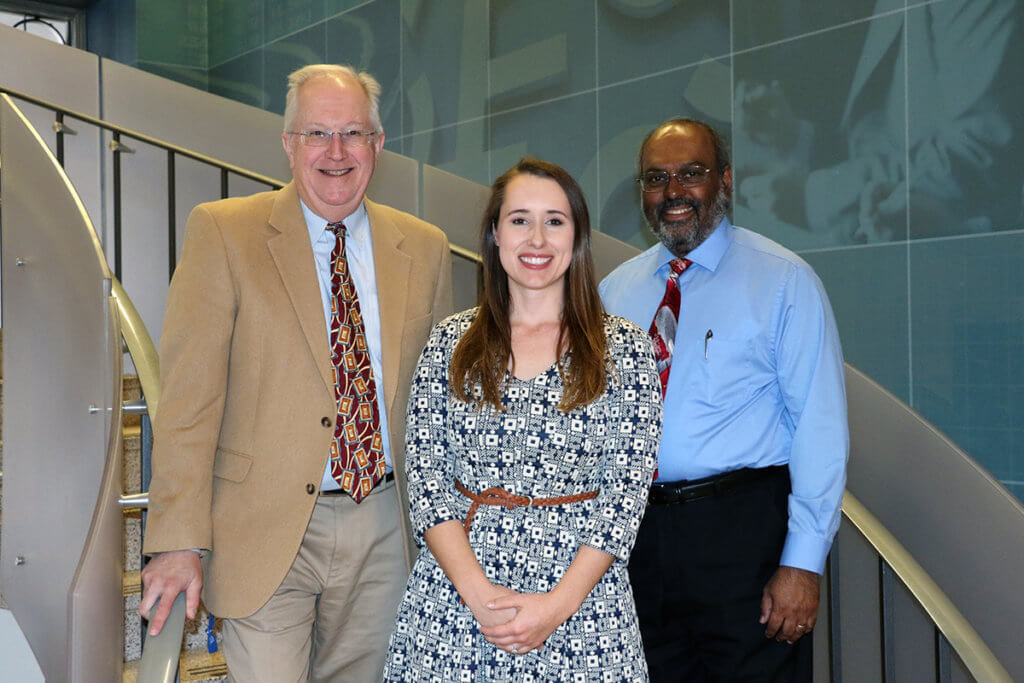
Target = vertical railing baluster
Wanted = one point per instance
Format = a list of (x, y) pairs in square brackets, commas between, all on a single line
[(885, 581), (834, 628), (116, 147), (223, 183), (943, 673), (58, 126), (172, 227)]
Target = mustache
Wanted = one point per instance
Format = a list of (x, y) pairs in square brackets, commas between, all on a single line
[(679, 202)]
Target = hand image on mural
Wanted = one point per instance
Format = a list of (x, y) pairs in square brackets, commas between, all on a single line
[(841, 176)]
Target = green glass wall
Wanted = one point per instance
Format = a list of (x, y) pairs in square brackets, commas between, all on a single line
[(880, 139)]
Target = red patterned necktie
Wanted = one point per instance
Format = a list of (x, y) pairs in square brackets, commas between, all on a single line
[(663, 328), (357, 454)]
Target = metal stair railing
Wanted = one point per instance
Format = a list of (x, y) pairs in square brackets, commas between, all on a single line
[(953, 632), (951, 629), (118, 147)]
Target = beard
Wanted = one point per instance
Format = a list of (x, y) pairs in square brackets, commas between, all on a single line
[(682, 237)]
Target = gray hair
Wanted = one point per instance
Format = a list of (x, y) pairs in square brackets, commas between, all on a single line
[(295, 80)]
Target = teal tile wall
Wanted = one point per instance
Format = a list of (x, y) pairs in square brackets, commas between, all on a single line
[(234, 29), (369, 38), (561, 131), (880, 139), (967, 320), (819, 149), (642, 38), (444, 62), (539, 50), (872, 316), (172, 33)]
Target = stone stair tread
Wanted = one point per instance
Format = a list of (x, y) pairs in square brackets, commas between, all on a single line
[(130, 672), (132, 582), (199, 665)]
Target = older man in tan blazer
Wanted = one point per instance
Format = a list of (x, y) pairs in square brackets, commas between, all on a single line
[(305, 563)]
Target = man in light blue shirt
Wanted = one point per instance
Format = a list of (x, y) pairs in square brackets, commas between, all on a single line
[(752, 463)]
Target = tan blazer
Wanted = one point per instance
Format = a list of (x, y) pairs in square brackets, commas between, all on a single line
[(240, 438)]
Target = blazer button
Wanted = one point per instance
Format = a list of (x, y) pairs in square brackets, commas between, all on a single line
[(310, 489), (325, 421)]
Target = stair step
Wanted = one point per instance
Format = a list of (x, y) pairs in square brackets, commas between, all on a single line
[(132, 582), (194, 666)]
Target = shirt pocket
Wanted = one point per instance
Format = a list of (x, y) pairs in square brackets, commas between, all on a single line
[(723, 374)]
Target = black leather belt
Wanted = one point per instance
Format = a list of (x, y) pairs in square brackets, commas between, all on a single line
[(689, 490), (390, 476)]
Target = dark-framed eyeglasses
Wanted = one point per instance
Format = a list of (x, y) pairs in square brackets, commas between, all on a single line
[(688, 176), (349, 138)]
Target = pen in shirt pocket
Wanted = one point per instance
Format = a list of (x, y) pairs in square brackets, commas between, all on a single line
[(707, 338)]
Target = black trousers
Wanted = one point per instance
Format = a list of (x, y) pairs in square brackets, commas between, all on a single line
[(698, 569)]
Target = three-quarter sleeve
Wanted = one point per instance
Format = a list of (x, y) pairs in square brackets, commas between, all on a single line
[(429, 464), (630, 442)]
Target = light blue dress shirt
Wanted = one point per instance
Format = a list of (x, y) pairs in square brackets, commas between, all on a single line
[(757, 374), (359, 252)]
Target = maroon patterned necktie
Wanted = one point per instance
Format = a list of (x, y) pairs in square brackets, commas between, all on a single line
[(357, 453), (663, 328)]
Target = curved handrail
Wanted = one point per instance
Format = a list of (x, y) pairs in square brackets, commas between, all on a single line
[(962, 637), (160, 653), (465, 253), (142, 137), (970, 648), (140, 346)]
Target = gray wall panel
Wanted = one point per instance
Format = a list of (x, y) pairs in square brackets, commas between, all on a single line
[(218, 127), (396, 182), (63, 75), (455, 205)]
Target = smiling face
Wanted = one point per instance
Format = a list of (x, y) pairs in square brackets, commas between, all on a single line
[(683, 217), (332, 180), (535, 234)]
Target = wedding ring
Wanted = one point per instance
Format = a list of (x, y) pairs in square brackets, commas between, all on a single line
[(515, 649), (801, 625)]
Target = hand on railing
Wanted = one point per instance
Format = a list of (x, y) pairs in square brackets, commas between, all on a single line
[(167, 575), (160, 653)]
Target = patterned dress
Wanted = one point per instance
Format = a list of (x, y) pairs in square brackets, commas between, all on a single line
[(530, 449)]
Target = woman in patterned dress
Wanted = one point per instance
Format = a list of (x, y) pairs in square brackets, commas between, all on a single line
[(533, 424)]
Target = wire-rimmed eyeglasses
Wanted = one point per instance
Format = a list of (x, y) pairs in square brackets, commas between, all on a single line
[(349, 138), (688, 176)]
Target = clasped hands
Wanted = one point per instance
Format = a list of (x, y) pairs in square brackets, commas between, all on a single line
[(519, 622)]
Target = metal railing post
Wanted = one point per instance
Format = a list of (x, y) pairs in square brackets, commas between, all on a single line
[(115, 147), (835, 659), (58, 127), (886, 609), (172, 227)]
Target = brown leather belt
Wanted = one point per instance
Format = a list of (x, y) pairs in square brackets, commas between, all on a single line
[(688, 490), (499, 496)]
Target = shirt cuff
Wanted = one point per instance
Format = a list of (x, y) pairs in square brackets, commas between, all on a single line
[(805, 551)]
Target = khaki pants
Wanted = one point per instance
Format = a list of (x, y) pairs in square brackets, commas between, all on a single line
[(331, 617)]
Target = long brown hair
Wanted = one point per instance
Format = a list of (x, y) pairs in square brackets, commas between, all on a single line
[(483, 353)]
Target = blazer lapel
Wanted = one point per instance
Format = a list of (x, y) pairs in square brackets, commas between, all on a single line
[(391, 267), (293, 255)]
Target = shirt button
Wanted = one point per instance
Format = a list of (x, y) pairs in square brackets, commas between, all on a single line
[(325, 421), (310, 489)]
